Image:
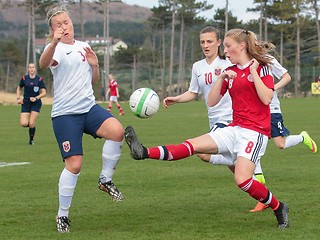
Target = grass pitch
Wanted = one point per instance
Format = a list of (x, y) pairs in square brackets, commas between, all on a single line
[(186, 199)]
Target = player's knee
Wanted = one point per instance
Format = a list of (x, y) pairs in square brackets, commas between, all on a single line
[(117, 133), (73, 164), (24, 124), (240, 179), (280, 145), (280, 142), (204, 157)]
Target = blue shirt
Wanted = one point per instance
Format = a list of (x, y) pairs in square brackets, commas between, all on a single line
[(31, 86)]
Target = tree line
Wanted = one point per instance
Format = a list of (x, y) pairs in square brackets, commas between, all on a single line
[(163, 48)]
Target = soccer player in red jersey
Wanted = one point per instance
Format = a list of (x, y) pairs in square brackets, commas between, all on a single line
[(114, 94), (250, 84)]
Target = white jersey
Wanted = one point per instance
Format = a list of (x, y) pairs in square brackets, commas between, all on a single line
[(278, 71), (204, 75), (72, 76)]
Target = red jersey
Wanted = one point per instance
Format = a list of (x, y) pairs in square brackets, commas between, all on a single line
[(248, 110), (113, 85)]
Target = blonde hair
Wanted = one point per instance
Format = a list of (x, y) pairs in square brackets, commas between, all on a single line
[(255, 48), (52, 13)]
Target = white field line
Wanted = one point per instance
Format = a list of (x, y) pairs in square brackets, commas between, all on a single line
[(6, 164)]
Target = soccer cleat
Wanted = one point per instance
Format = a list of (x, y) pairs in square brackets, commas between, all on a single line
[(31, 143), (121, 113), (138, 152), (63, 225), (111, 189), (259, 207), (308, 141), (282, 216)]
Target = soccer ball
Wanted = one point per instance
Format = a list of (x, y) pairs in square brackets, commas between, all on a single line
[(144, 102)]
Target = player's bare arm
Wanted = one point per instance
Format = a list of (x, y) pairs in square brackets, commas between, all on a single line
[(41, 95), (93, 61), (214, 94), (185, 97), (265, 94), (285, 79), (46, 58)]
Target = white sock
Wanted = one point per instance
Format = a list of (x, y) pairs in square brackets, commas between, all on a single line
[(111, 153), (220, 160), (293, 140), (67, 184)]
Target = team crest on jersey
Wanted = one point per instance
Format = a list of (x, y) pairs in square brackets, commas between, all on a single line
[(217, 71), (250, 79), (36, 88), (66, 146)]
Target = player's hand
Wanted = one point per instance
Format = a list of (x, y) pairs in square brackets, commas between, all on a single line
[(230, 74), (254, 64), (169, 101), (57, 35), (33, 99), (19, 101), (91, 56)]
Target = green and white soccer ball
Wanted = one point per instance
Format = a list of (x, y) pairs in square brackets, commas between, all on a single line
[(144, 102)]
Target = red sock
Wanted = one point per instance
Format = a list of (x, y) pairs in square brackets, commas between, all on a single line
[(171, 152), (259, 192)]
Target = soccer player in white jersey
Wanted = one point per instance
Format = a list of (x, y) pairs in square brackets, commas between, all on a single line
[(204, 73), (250, 85), (75, 68)]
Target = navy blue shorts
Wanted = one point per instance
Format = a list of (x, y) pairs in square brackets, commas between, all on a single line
[(69, 129), (277, 126), (29, 106)]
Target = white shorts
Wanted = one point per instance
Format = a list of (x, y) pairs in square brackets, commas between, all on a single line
[(113, 99), (240, 142)]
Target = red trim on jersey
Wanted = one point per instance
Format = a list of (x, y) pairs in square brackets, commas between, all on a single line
[(248, 110)]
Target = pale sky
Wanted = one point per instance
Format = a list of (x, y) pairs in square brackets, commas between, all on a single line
[(237, 7)]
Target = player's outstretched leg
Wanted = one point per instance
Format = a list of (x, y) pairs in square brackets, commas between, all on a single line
[(63, 225), (282, 215), (138, 152), (111, 189), (308, 141)]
